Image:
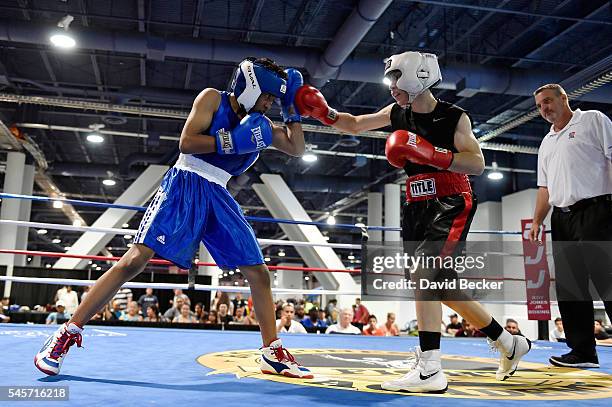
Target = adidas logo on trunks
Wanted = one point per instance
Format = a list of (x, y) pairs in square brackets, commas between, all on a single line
[(161, 239)]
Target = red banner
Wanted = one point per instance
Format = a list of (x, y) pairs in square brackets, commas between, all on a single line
[(537, 275)]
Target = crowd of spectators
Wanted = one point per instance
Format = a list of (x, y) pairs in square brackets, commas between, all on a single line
[(292, 315)]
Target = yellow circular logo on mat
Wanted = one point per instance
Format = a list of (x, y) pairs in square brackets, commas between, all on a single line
[(468, 377)]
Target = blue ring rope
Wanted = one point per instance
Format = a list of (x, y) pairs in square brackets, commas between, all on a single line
[(79, 202)]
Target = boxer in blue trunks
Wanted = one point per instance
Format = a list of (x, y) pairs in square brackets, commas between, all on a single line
[(221, 138)]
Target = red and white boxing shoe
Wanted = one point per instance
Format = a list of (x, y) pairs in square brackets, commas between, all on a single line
[(275, 359), (51, 356)]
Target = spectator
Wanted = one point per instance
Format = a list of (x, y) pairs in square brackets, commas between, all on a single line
[(287, 322), (212, 318), (152, 314), (312, 320), (185, 316), (223, 316), (468, 330), (299, 312), (239, 317), (60, 315), (148, 299), (123, 297), (454, 325), (69, 298), (557, 334), (344, 326), (132, 313), (333, 317), (238, 302), (323, 316), (601, 336), (179, 293), (115, 312), (198, 311), (174, 312), (362, 314), (6, 302), (390, 328), (4, 309), (221, 298), (372, 329), (251, 319), (331, 306), (512, 327), (85, 292)]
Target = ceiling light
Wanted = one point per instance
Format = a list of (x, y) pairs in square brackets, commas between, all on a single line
[(58, 204), (266, 259), (62, 39), (495, 174), (350, 257), (360, 225), (310, 157), (306, 278), (42, 231), (109, 182), (95, 138), (126, 225), (331, 220), (128, 237), (67, 248), (57, 240), (48, 265), (281, 253)]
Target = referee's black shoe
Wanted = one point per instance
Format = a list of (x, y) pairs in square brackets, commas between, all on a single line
[(574, 360)]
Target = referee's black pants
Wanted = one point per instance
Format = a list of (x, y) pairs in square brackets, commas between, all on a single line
[(582, 241)]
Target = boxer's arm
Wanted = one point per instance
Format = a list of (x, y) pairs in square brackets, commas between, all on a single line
[(356, 124), (290, 139), (199, 119), (469, 159)]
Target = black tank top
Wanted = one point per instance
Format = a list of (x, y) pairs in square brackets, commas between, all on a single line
[(437, 127)]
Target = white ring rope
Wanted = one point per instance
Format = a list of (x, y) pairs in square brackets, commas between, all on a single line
[(169, 286), (263, 242)]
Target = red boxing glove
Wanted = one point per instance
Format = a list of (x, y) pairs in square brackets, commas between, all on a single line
[(311, 102), (404, 146)]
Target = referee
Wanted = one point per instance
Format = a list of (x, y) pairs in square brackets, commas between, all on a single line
[(575, 178)]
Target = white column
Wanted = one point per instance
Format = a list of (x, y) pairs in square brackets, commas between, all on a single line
[(288, 279), (212, 271), (27, 187), (13, 178), (392, 211), (375, 215)]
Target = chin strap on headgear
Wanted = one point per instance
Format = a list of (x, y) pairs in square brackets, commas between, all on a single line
[(417, 72), (252, 79)]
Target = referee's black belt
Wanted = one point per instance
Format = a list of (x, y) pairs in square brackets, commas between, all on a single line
[(583, 203)]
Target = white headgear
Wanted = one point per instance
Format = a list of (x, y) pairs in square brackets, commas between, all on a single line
[(419, 71)]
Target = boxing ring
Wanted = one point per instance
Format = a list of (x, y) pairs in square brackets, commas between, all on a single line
[(123, 365)]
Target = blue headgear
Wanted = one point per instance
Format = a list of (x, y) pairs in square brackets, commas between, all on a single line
[(252, 79)]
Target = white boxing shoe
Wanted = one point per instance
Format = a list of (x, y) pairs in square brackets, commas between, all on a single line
[(425, 377), (275, 359), (50, 357), (512, 348)]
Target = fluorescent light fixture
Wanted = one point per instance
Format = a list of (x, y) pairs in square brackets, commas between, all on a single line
[(58, 204), (350, 257), (42, 231), (95, 138), (67, 248), (63, 40), (109, 182), (266, 259), (360, 225), (331, 220), (126, 225), (281, 253), (310, 157), (57, 240), (495, 174), (129, 237), (306, 278)]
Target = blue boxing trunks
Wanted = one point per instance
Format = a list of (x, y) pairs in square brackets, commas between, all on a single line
[(192, 205)]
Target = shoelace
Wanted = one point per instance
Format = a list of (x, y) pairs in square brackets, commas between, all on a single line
[(282, 354), (413, 364), (64, 343)]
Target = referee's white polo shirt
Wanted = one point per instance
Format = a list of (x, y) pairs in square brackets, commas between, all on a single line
[(576, 162)]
